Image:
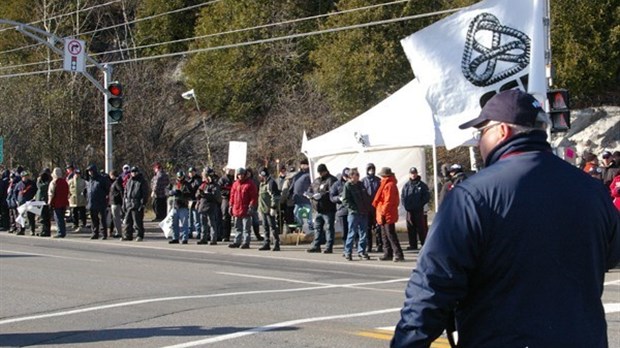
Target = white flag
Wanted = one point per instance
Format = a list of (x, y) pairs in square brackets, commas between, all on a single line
[(466, 58)]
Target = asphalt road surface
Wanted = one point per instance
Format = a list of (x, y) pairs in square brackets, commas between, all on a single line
[(78, 292)]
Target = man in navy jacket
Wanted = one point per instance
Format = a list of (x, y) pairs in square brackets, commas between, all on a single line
[(517, 254)]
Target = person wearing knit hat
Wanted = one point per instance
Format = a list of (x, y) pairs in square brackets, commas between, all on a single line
[(325, 210), (268, 201), (243, 202), (371, 184), (414, 196), (335, 195)]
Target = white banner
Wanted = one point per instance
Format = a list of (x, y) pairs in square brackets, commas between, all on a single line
[(466, 58), (34, 207), (237, 154), (166, 224)]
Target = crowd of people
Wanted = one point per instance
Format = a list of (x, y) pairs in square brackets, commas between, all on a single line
[(207, 206)]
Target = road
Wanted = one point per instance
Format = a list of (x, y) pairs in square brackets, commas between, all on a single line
[(78, 292)]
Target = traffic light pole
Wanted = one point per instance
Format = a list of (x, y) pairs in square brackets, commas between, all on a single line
[(50, 40)]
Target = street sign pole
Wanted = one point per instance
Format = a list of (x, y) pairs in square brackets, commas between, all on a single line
[(107, 77)]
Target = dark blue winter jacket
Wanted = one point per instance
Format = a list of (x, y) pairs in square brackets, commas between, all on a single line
[(517, 253), (97, 189)]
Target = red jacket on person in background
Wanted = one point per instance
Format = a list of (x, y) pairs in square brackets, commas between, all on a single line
[(615, 191), (59, 194), (243, 194), (386, 201)]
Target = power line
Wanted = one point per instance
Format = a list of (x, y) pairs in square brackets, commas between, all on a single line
[(255, 42), (223, 33), (126, 23)]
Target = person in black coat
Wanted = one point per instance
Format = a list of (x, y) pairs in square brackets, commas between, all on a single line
[(414, 195), (4, 207), (116, 203), (134, 202), (97, 189)]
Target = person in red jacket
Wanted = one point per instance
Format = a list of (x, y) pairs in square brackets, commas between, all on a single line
[(58, 200), (614, 187), (243, 201), (386, 204)]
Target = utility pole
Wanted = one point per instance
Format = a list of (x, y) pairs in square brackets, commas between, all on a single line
[(50, 40)]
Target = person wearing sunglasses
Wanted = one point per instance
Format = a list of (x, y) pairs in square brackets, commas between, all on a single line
[(517, 253)]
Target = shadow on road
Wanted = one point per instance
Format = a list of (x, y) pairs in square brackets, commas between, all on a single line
[(107, 335)]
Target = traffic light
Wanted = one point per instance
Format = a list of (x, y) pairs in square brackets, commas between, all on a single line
[(115, 102), (559, 110)]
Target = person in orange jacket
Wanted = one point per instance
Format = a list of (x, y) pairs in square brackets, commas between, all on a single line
[(386, 204)]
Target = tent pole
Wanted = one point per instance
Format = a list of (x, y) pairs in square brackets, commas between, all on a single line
[(435, 178)]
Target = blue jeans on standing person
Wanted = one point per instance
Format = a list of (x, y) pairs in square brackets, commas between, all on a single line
[(194, 219), (243, 224), (180, 215), (320, 235), (59, 216), (357, 226)]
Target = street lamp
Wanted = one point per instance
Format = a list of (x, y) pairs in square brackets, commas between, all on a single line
[(192, 95)]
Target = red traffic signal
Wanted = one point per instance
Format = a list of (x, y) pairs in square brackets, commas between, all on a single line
[(115, 102), (115, 89)]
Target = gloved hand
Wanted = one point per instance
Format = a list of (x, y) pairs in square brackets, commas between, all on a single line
[(272, 212), (317, 196), (153, 194)]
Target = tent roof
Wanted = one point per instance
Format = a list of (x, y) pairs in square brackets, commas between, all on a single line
[(404, 119)]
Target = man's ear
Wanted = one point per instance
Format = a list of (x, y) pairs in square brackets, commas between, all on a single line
[(505, 132)]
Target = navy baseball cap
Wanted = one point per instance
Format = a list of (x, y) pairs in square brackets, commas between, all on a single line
[(512, 106)]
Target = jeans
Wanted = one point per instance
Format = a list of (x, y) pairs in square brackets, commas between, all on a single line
[(59, 216), (180, 215), (269, 224), (357, 226), (209, 224), (344, 222), (320, 235), (243, 224), (194, 219)]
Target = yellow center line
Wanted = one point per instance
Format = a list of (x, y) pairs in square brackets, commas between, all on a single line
[(386, 335)]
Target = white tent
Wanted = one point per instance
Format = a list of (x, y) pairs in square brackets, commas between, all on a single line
[(391, 134)]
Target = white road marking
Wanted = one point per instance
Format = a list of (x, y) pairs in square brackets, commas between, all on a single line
[(611, 307), (353, 286), (270, 327), (153, 300), (613, 282), (48, 255), (320, 286)]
